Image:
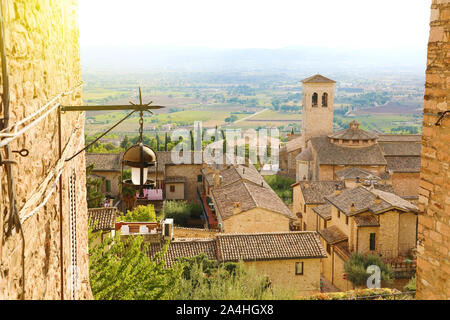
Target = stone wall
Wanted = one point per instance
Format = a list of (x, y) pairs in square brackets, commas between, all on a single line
[(43, 57), (282, 274), (433, 263), (190, 172), (406, 184), (256, 220), (317, 121)]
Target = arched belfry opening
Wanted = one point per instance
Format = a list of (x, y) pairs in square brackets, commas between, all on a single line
[(315, 98), (325, 100)]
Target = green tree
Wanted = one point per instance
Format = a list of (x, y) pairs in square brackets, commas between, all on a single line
[(121, 270), (126, 143), (204, 279), (94, 196), (356, 268), (140, 213), (181, 212), (282, 187)]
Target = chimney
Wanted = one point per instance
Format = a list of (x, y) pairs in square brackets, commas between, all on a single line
[(377, 199), (237, 207), (352, 207), (337, 189), (358, 181), (217, 178)]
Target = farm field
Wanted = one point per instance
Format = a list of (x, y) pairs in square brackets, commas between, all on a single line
[(224, 100)]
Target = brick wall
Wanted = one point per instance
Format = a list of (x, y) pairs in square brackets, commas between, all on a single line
[(43, 60), (433, 263)]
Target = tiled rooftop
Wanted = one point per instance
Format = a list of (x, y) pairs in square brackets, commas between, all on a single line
[(189, 248), (269, 246), (332, 235), (324, 211), (249, 196), (314, 192), (330, 153), (318, 78), (102, 218), (360, 199)]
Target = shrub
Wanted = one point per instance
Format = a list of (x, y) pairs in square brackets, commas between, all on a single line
[(411, 286), (140, 213), (356, 269), (203, 279), (282, 187), (181, 212)]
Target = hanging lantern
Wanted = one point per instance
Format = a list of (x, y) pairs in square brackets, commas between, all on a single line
[(139, 158)]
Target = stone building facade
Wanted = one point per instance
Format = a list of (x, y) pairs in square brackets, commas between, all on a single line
[(289, 260), (43, 60), (433, 263)]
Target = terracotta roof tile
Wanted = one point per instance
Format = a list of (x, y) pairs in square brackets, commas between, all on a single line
[(330, 153), (235, 173), (353, 173), (360, 199), (102, 218), (269, 246), (318, 78), (403, 164), (189, 248), (400, 138), (305, 155), (353, 134), (294, 144), (332, 235), (249, 196), (324, 211), (401, 148), (315, 191), (104, 161)]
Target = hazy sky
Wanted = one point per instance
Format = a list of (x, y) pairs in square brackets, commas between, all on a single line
[(256, 23)]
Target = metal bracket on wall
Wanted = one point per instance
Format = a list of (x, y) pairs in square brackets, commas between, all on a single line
[(22, 153), (441, 117)]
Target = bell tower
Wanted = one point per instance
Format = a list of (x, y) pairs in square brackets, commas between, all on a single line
[(318, 107)]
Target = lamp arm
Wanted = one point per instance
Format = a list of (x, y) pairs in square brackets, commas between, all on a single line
[(101, 136)]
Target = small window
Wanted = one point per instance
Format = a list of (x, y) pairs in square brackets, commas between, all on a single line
[(299, 268), (325, 224), (328, 248), (315, 98), (172, 188), (108, 185), (199, 178), (325, 100), (339, 214), (304, 208), (346, 220), (372, 241)]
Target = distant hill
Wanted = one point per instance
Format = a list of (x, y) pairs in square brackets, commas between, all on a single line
[(304, 60), (391, 107)]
